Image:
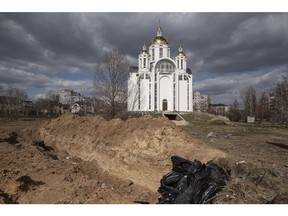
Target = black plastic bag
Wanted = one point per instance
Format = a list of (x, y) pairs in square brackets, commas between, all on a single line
[(198, 185)]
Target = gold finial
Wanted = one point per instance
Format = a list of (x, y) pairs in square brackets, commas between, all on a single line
[(180, 50), (159, 29), (144, 48)]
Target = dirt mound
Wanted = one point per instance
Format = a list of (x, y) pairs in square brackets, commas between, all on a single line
[(219, 120), (138, 149)]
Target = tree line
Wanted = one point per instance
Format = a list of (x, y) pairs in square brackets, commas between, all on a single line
[(271, 106), (110, 88), (14, 103)]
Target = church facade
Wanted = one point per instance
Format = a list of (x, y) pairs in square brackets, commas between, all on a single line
[(160, 82)]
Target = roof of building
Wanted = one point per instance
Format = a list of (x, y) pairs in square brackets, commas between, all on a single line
[(219, 104), (180, 51), (160, 40), (189, 71), (133, 69)]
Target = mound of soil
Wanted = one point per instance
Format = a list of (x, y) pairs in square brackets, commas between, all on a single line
[(138, 149)]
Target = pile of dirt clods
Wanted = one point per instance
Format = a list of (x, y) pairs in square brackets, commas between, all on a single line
[(138, 149)]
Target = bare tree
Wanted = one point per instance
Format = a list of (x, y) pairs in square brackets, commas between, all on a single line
[(250, 101), (234, 113), (262, 111), (280, 101), (14, 100), (110, 77), (136, 97)]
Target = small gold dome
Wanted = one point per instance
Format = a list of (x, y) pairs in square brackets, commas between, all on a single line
[(180, 50), (160, 40), (181, 54), (144, 49), (144, 52)]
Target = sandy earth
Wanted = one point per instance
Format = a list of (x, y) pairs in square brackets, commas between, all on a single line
[(98, 161)]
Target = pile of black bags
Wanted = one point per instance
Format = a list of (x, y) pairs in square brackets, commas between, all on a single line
[(191, 182)]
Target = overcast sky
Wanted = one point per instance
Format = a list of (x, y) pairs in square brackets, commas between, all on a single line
[(42, 52)]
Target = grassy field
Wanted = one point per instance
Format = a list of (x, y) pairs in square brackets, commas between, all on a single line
[(257, 156)]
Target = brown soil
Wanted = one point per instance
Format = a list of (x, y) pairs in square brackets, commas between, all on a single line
[(117, 161), (100, 161)]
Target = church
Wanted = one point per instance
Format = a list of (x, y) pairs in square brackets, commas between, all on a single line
[(160, 83)]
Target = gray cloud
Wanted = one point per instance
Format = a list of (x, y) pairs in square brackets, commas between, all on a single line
[(39, 44), (227, 88)]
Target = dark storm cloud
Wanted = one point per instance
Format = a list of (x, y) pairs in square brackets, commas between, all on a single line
[(222, 43), (216, 42), (56, 40), (241, 42)]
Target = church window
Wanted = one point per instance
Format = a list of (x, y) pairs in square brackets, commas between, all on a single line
[(181, 64), (144, 63), (185, 77), (180, 77), (153, 55), (139, 91), (160, 52), (150, 95), (188, 95), (174, 96), (155, 96), (142, 76), (165, 66)]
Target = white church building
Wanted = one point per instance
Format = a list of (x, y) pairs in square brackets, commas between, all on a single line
[(160, 82)]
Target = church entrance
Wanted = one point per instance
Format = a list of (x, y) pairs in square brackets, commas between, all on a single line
[(164, 105)]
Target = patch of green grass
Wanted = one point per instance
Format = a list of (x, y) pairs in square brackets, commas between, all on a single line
[(20, 121), (200, 125)]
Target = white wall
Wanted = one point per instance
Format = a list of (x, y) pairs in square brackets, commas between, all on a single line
[(182, 95), (166, 92)]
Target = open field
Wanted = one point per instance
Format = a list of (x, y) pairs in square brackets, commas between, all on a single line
[(119, 161), (256, 157)]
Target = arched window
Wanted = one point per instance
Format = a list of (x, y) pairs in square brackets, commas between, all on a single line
[(165, 66)]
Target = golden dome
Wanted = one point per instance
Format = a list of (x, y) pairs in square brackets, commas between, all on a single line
[(159, 40), (144, 52), (181, 53), (180, 50), (144, 49)]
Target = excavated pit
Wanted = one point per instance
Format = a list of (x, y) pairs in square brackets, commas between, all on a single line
[(138, 149)]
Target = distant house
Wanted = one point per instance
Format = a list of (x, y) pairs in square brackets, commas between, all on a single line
[(78, 107), (68, 96), (27, 107), (201, 102), (219, 109)]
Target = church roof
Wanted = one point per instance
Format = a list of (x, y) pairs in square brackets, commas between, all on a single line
[(189, 71), (144, 49), (133, 69), (180, 51), (160, 40)]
